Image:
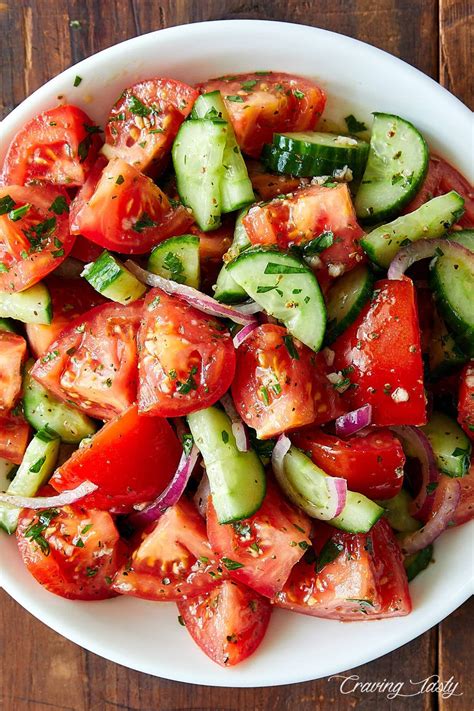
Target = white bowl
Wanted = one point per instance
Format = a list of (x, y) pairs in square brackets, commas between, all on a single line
[(358, 79)]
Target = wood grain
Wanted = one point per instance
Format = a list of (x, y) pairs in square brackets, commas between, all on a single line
[(41, 671)]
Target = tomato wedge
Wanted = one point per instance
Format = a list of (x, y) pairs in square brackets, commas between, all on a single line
[(356, 576), (212, 247), (93, 363), (187, 359), (280, 384), (269, 185), (121, 209), (143, 124), (85, 250), (14, 434), (260, 551), (262, 103), (227, 623), (72, 551), (131, 459), (379, 360), (372, 462), (12, 357), (34, 234), (173, 560), (465, 508), (466, 400), (58, 146), (70, 299)]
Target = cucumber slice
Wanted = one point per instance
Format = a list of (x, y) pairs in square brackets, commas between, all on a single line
[(452, 281), (286, 288), (7, 471), (42, 408), (345, 300), (109, 277), (34, 471), (396, 167), (6, 324), (414, 564), (30, 306), (286, 163), (330, 148), (237, 479), (304, 483), (397, 512), (430, 220), (451, 446), (198, 152), (444, 355), (227, 290), (464, 237), (177, 258), (236, 187)]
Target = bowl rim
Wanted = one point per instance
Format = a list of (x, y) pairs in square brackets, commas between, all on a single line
[(15, 588)]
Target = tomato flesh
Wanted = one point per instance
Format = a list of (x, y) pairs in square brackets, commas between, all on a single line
[(466, 400), (371, 462), (14, 435), (121, 209), (187, 359), (173, 560), (269, 185), (465, 508), (58, 146), (34, 235), (93, 363), (227, 623), (378, 358), (72, 551), (12, 357), (260, 551)]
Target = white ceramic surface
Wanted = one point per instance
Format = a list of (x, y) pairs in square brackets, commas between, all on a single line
[(358, 79)]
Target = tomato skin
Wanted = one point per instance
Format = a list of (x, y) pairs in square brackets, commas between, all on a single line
[(121, 209), (227, 623), (187, 359), (85, 551), (262, 104), (27, 255), (127, 130), (70, 299), (369, 567), (54, 147), (121, 458), (296, 389), (14, 435), (466, 400), (371, 462), (85, 250), (269, 185), (12, 357), (440, 179), (465, 508), (93, 363), (279, 530), (173, 559), (383, 353)]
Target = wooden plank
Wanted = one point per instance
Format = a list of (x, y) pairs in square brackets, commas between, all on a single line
[(455, 656), (456, 35)]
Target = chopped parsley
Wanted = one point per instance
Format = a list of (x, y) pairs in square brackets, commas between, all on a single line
[(136, 107), (318, 244), (265, 289), (6, 204), (232, 564), (290, 347), (86, 529), (77, 80), (248, 85), (190, 384), (237, 99), (142, 223), (225, 436), (35, 530), (329, 552), (19, 212), (298, 94), (120, 180), (175, 266), (59, 205), (458, 452), (274, 268), (353, 125), (265, 397), (36, 467), (187, 441)]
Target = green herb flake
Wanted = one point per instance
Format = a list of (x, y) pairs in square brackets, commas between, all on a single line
[(232, 564), (86, 529), (39, 525), (298, 94), (265, 397), (329, 552), (318, 244), (290, 347), (190, 384), (36, 467), (225, 436), (142, 223), (175, 266), (6, 204), (265, 289), (90, 572), (59, 205), (181, 621), (120, 180), (274, 268), (50, 356), (235, 98), (77, 80), (248, 85), (432, 486), (458, 452), (19, 212), (136, 107), (75, 24), (79, 543), (187, 441), (353, 125)]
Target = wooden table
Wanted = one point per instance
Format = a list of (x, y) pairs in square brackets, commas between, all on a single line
[(39, 670)]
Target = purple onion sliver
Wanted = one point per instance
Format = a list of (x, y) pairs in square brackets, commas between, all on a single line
[(45, 502), (416, 439), (424, 248), (352, 422), (414, 542), (243, 334)]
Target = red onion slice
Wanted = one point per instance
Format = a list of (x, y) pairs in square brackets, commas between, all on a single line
[(354, 421), (280, 450), (46, 502), (447, 499), (420, 444), (170, 495), (424, 248), (195, 298), (201, 497), (238, 427), (243, 334)]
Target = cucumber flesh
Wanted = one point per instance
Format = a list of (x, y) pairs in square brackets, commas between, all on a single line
[(32, 305), (6, 324), (397, 512), (227, 290), (42, 408), (34, 471), (198, 152), (305, 484), (396, 167), (7, 470), (450, 444), (177, 258), (464, 237), (286, 288), (110, 277), (416, 563), (237, 479), (346, 299), (429, 221)]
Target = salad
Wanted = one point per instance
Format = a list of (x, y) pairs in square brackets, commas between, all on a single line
[(235, 355)]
